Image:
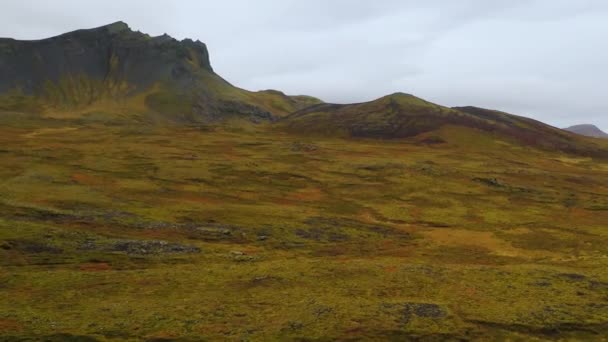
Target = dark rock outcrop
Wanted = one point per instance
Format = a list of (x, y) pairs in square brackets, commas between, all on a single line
[(109, 52)]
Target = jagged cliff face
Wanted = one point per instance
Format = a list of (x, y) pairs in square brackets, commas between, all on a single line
[(116, 65), (112, 52)]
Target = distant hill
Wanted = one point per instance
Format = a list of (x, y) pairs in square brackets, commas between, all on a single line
[(115, 69), (587, 130), (403, 116)]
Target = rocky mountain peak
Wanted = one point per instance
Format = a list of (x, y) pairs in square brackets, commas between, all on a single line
[(117, 27), (111, 51)]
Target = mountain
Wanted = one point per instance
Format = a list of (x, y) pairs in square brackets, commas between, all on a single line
[(587, 130), (113, 73), (115, 69), (404, 116)]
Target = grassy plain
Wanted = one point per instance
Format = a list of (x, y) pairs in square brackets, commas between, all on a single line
[(241, 232)]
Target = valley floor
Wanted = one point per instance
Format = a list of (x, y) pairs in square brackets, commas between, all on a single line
[(146, 233)]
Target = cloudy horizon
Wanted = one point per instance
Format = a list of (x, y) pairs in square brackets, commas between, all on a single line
[(544, 59)]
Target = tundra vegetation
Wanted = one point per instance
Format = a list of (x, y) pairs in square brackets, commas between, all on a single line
[(131, 218)]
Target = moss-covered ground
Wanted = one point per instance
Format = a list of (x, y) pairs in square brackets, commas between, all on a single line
[(137, 232)]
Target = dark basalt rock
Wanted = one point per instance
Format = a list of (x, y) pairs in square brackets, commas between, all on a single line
[(28, 246), (407, 311), (151, 247), (423, 310), (489, 181), (572, 276), (112, 51), (216, 111)]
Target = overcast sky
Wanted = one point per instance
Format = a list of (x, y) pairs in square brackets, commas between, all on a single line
[(546, 59)]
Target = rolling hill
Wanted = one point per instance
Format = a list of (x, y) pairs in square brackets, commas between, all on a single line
[(404, 116), (587, 130)]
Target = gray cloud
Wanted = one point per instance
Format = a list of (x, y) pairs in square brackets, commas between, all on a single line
[(546, 59)]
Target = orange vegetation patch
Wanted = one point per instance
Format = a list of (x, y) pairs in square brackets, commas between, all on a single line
[(95, 267), (473, 217), (284, 201), (86, 179), (227, 151), (306, 195), (367, 216), (390, 269), (470, 292), (248, 195), (416, 213), (252, 249), (579, 213), (10, 325)]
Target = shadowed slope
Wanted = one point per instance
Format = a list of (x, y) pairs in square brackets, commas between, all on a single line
[(394, 116), (402, 116), (536, 133)]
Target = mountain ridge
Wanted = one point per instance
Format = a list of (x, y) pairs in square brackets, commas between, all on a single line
[(101, 52), (403, 116), (114, 73)]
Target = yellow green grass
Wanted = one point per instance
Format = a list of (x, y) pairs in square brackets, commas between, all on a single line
[(300, 239)]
